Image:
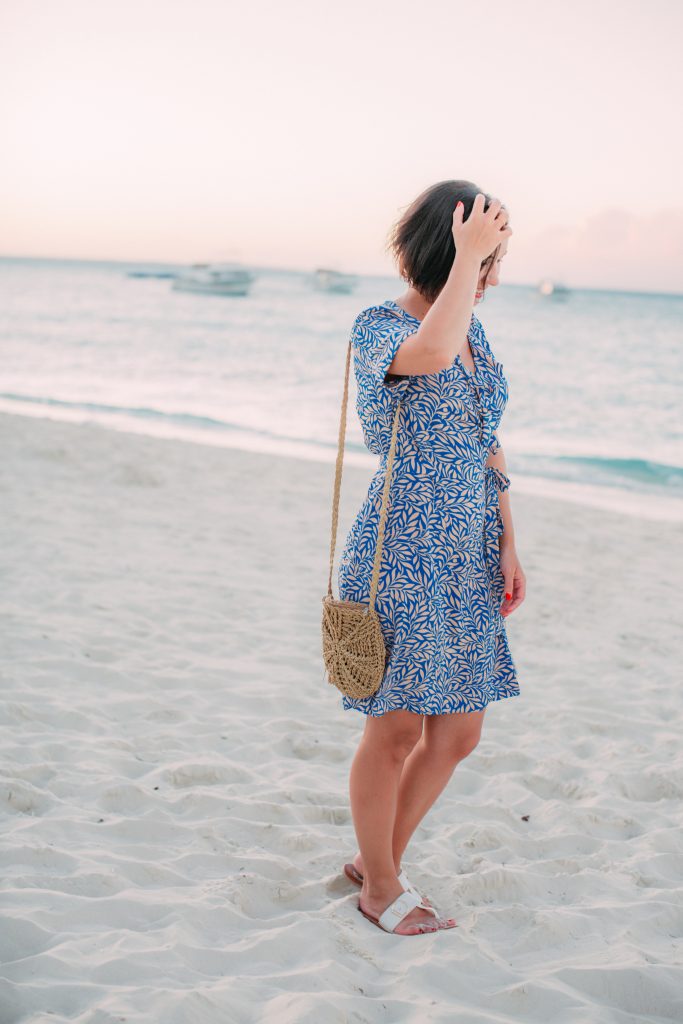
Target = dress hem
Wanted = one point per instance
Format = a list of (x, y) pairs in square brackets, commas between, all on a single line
[(420, 711)]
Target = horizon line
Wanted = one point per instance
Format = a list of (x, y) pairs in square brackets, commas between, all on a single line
[(299, 270)]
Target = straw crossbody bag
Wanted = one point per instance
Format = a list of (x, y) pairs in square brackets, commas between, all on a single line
[(353, 646)]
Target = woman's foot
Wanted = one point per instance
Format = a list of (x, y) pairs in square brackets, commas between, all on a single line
[(417, 922), (358, 865)]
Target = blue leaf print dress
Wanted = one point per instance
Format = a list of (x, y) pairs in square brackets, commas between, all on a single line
[(440, 586)]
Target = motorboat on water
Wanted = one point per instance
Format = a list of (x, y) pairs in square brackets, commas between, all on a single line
[(214, 279), (152, 273), (328, 280), (552, 289)]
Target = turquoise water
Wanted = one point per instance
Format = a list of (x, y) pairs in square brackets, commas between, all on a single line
[(595, 380)]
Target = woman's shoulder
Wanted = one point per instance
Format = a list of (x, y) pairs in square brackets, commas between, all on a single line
[(378, 313), (377, 325)]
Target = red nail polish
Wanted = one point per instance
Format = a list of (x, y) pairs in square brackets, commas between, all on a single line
[(509, 597)]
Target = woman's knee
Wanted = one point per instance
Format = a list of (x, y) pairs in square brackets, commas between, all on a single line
[(465, 745), (450, 741), (396, 732), (452, 751)]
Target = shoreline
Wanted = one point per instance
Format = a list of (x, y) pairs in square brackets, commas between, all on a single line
[(655, 508)]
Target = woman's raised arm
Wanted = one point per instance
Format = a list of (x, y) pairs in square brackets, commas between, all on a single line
[(442, 334)]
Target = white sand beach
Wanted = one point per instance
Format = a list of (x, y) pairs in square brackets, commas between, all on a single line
[(174, 768)]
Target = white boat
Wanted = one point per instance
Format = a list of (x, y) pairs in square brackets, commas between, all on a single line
[(327, 280), (152, 273), (214, 279), (552, 288)]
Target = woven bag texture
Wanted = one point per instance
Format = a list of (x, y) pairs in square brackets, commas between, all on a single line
[(354, 651)]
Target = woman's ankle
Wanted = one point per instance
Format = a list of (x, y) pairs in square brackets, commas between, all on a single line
[(379, 886), (397, 867)]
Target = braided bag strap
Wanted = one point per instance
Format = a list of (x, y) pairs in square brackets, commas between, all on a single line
[(337, 488)]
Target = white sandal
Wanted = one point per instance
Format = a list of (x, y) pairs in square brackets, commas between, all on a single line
[(395, 911), (390, 919), (355, 876)]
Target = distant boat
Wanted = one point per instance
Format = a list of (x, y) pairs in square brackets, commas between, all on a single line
[(327, 280), (214, 279), (152, 273), (552, 289)]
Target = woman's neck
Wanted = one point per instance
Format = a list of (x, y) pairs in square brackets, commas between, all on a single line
[(414, 303)]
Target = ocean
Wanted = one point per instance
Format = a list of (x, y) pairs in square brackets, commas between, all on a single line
[(594, 412)]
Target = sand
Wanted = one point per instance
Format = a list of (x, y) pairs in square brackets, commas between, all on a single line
[(174, 770)]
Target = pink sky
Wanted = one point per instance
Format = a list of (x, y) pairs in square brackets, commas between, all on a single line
[(294, 134)]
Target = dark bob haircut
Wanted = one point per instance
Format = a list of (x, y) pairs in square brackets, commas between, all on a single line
[(421, 242)]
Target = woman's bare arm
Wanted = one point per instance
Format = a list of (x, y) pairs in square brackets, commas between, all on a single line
[(443, 333)]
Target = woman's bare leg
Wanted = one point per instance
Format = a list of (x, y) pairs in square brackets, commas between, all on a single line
[(373, 786), (425, 771), (446, 741)]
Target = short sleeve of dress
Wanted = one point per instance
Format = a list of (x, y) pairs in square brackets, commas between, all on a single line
[(377, 334)]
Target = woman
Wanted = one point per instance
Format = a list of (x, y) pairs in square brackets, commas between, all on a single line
[(450, 571)]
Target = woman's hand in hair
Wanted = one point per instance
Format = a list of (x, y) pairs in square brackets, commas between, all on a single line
[(483, 230)]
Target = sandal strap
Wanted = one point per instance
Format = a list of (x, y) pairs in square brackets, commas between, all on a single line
[(397, 910), (407, 884)]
